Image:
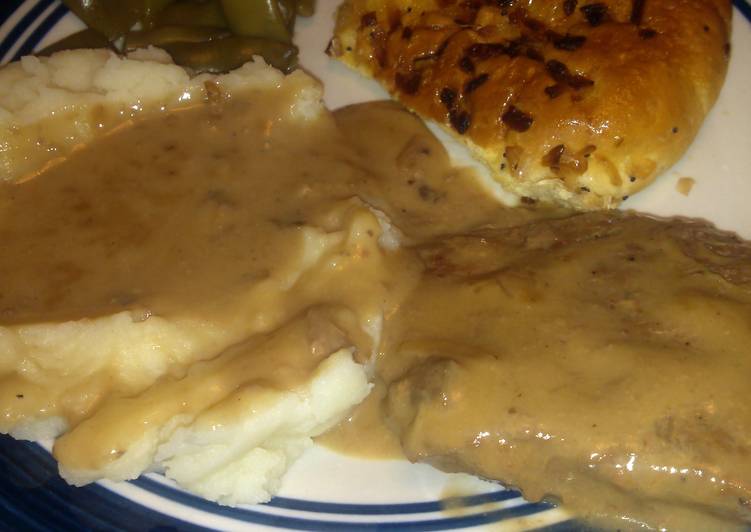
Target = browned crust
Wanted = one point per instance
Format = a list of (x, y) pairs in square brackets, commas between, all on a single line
[(578, 103)]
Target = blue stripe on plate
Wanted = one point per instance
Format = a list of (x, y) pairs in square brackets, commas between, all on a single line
[(33, 497), (7, 8), (410, 526), (42, 30), (392, 509), (22, 25), (253, 516), (744, 7)]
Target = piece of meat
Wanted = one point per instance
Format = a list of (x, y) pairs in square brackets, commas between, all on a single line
[(602, 360)]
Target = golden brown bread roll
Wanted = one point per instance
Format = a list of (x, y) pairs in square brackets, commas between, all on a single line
[(574, 102)]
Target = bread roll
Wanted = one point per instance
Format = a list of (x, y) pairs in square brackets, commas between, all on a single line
[(571, 102)]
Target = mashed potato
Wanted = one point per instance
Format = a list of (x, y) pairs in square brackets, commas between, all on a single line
[(238, 448), (51, 105), (206, 326)]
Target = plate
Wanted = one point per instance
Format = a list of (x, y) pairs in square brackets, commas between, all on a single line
[(323, 490)]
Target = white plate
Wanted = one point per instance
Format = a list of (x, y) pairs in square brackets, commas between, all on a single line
[(325, 491)]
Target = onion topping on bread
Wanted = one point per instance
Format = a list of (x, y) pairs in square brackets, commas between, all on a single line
[(578, 103)]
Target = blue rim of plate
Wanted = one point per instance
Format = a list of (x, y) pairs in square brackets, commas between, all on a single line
[(33, 496)]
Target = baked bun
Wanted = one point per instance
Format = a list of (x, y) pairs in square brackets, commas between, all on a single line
[(570, 102)]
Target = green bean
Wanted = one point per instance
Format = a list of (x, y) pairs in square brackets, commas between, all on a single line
[(115, 18), (191, 13), (288, 8), (87, 38), (271, 19), (223, 54), (169, 34), (194, 32)]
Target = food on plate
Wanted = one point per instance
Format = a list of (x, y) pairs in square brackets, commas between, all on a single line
[(49, 106), (228, 429), (203, 284), (203, 35), (185, 235), (598, 360), (684, 185), (601, 360), (576, 103)]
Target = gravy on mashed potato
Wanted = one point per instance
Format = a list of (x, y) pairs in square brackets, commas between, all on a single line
[(196, 280), (146, 250)]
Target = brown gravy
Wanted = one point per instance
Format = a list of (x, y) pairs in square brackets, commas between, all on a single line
[(600, 358), (152, 233)]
